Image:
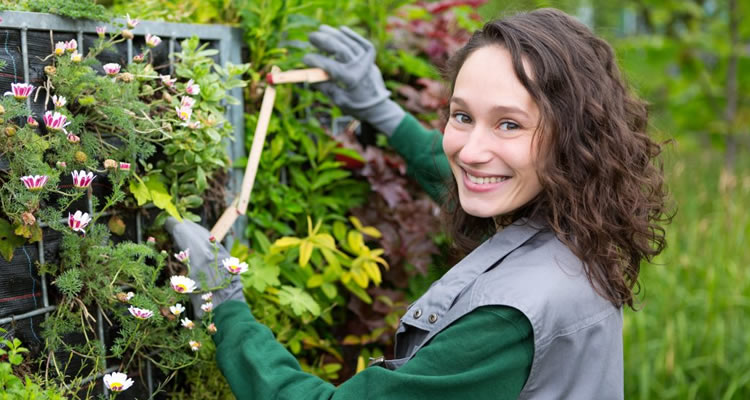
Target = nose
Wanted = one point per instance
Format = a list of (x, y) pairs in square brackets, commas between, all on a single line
[(475, 150)]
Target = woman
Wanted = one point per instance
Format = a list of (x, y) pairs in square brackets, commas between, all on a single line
[(552, 192)]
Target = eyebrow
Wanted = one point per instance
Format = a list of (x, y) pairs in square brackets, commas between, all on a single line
[(508, 109)]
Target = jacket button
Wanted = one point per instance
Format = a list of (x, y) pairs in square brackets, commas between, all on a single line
[(417, 313), (433, 318)]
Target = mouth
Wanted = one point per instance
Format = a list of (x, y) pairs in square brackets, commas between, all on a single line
[(483, 183)]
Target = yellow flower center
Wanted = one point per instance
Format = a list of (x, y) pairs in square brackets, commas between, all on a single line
[(115, 387)]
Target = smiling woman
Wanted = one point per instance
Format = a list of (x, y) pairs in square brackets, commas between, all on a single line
[(489, 136), (552, 193)]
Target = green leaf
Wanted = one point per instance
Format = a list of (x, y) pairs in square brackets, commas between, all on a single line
[(261, 275), (200, 179), (140, 191), (8, 240), (315, 281), (329, 176), (329, 289), (299, 300), (161, 197), (262, 240)]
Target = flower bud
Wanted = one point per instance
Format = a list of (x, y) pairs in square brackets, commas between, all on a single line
[(28, 218), (61, 164), (2, 109), (127, 34), (110, 164), (80, 157), (166, 96), (212, 239), (138, 58), (166, 313), (126, 77), (50, 70), (122, 297), (211, 328), (151, 239), (10, 131)]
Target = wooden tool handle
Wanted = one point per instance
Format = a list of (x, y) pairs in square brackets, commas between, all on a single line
[(311, 75)]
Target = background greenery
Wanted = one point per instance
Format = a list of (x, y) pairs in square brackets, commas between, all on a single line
[(690, 59)]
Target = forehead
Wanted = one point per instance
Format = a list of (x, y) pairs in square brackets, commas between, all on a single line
[(487, 78)]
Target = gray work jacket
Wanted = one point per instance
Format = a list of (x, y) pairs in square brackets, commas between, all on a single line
[(577, 333)]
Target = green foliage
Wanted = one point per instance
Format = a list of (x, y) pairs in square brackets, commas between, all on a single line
[(69, 282), (693, 317), (24, 387), (86, 9), (117, 126)]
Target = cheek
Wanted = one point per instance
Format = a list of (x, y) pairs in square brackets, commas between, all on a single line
[(451, 142)]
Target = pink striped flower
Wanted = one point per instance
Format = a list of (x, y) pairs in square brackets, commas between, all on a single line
[(35, 182), (167, 81), (20, 90), (140, 313), (124, 166), (59, 48), (234, 266), (117, 381), (111, 69), (30, 121), (73, 138), (101, 31), (184, 113), (183, 256), (55, 121), (71, 45), (152, 40), (82, 179), (192, 88), (59, 101), (131, 22), (78, 221), (187, 102), (182, 284)]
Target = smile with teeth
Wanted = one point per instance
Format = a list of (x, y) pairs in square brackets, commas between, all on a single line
[(486, 180)]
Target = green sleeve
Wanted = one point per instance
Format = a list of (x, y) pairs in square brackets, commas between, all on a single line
[(423, 151), (486, 354)]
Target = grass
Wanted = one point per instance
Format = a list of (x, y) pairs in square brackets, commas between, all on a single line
[(691, 337)]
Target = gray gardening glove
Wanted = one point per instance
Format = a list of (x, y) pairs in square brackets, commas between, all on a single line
[(189, 235), (356, 85)]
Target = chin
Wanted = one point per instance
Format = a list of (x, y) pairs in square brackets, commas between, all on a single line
[(478, 210)]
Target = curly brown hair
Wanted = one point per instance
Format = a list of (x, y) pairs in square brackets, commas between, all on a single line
[(603, 191)]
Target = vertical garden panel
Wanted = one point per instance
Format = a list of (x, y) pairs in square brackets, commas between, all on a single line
[(26, 41)]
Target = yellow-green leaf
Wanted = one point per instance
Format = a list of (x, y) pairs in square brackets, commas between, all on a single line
[(373, 271), (324, 240), (286, 241), (360, 276), (371, 231), (355, 221), (8, 240), (305, 251), (339, 231), (161, 197), (315, 281), (355, 241), (331, 258)]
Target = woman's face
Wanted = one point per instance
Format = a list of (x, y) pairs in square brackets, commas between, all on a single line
[(488, 137)]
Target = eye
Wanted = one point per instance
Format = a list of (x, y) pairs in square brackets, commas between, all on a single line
[(508, 125), (461, 118)]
